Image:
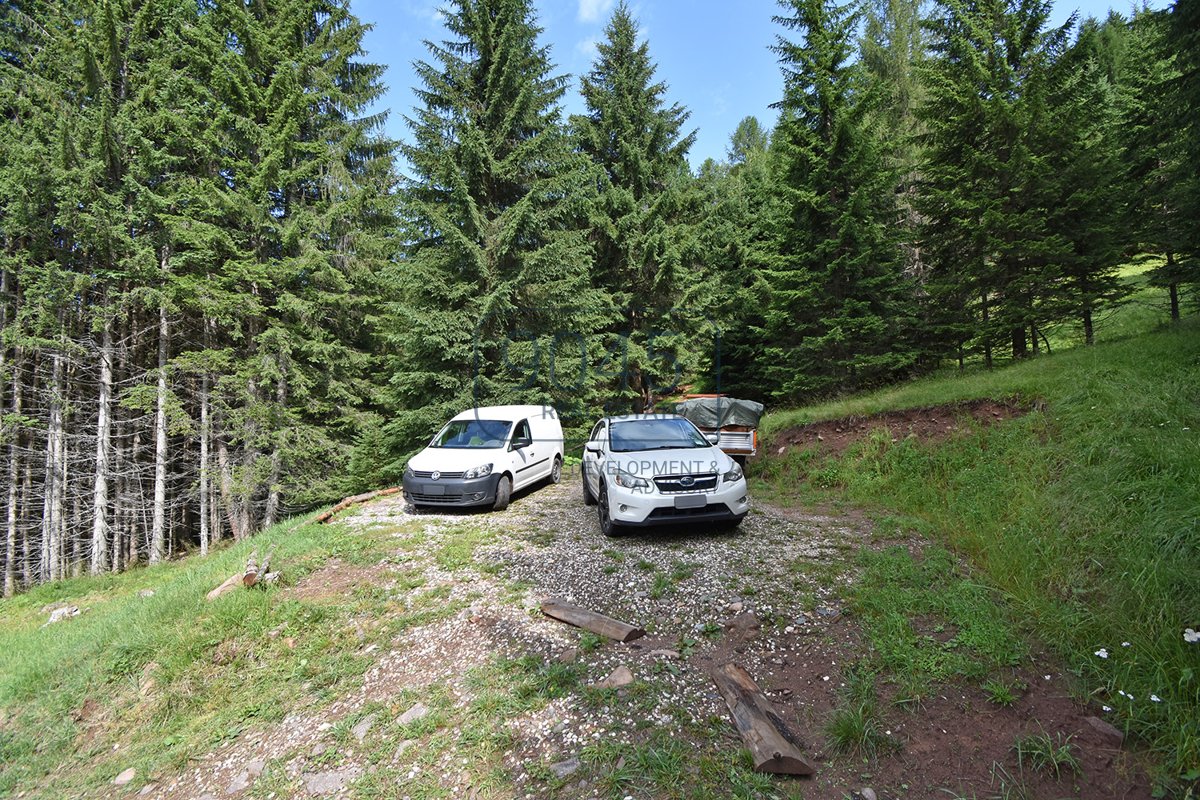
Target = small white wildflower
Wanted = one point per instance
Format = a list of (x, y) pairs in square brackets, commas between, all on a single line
[(1155, 698), (1190, 636), (1102, 652), (1125, 644), (1122, 693), (825, 678), (1047, 677), (1106, 708)]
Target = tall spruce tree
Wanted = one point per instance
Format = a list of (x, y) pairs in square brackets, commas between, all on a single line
[(985, 186), (640, 223), (839, 314), (495, 282)]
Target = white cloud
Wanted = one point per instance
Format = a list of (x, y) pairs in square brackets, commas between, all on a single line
[(594, 10), (587, 48)]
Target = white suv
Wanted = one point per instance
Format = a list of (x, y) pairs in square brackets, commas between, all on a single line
[(659, 469)]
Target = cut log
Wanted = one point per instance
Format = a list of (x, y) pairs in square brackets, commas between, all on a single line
[(773, 746), (346, 502), (266, 562), (250, 576), (229, 585), (590, 620)]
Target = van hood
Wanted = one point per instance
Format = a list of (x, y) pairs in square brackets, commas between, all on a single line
[(450, 459), (683, 461)]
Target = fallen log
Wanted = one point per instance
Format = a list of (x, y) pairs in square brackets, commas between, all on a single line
[(229, 585), (590, 620), (773, 746), (250, 574), (346, 502)]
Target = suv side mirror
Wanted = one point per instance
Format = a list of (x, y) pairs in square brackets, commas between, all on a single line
[(713, 438), (594, 447)]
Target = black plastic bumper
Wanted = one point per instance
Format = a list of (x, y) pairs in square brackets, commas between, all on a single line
[(451, 492)]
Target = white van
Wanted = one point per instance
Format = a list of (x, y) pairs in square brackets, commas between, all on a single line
[(482, 455)]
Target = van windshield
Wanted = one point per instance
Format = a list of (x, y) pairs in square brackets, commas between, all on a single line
[(472, 434)]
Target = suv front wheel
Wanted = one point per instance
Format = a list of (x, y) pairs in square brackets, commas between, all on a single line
[(607, 526)]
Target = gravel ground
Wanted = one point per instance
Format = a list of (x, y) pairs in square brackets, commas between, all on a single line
[(704, 597)]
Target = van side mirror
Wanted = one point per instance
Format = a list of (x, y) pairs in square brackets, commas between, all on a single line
[(594, 447), (517, 444)]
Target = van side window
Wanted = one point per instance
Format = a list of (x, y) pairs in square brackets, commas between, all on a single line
[(521, 431)]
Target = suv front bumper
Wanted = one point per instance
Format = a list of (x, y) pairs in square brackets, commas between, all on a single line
[(728, 502)]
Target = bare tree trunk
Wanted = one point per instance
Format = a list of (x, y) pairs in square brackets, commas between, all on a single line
[(204, 517), (51, 496), (103, 437), (228, 500), (273, 492), (160, 443), (1089, 328), (28, 573), (14, 457), (987, 338)]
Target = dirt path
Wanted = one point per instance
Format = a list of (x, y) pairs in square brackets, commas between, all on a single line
[(491, 699)]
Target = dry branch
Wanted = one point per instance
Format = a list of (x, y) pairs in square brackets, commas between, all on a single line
[(591, 621), (346, 502), (772, 744)]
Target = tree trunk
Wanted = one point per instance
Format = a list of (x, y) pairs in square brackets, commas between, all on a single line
[(157, 528), (1019, 345), (14, 467), (204, 520), (230, 503), (987, 336), (1089, 334), (273, 493), (1173, 287), (28, 571), (1033, 337), (51, 491), (103, 438)]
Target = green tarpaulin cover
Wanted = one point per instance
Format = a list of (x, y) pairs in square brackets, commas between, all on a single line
[(717, 412)]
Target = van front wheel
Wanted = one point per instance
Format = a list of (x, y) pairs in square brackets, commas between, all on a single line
[(503, 493), (556, 470)]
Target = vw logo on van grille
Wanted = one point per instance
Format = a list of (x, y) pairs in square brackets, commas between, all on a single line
[(687, 480), (435, 475)]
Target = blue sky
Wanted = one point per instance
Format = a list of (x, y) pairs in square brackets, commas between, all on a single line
[(712, 54)]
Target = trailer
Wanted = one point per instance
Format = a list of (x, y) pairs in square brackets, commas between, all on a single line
[(734, 421)]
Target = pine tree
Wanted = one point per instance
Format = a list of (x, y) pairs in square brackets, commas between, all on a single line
[(995, 263), (641, 230), (838, 317), (494, 284)]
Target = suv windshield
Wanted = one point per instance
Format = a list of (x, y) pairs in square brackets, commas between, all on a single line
[(655, 434), (469, 434)]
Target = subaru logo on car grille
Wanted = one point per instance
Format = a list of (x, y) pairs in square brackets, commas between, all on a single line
[(435, 475), (687, 480)]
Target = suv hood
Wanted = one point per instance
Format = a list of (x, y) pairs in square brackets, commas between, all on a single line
[(684, 461)]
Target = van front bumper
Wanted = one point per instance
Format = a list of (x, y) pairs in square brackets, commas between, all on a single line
[(451, 491)]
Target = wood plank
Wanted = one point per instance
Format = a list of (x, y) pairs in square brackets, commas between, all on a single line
[(772, 744), (590, 620)]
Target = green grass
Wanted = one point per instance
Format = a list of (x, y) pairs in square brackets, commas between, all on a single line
[(1083, 516), (1041, 753), (170, 676)]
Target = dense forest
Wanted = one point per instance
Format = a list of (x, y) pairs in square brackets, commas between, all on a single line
[(226, 296)]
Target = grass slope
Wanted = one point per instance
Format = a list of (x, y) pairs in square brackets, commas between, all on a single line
[(1084, 514)]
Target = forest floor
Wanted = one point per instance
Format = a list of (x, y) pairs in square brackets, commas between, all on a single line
[(489, 698)]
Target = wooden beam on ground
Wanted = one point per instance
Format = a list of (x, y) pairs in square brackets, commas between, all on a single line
[(590, 620), (346, 502), (772, 744)]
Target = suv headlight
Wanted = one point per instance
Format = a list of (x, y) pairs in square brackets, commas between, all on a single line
[(734, 474), (629, 481), (482, 471), (408, 471)]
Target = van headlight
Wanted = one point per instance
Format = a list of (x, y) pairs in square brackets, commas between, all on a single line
[(734, 474), (408, 471), (482, 471), (629, 481)]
